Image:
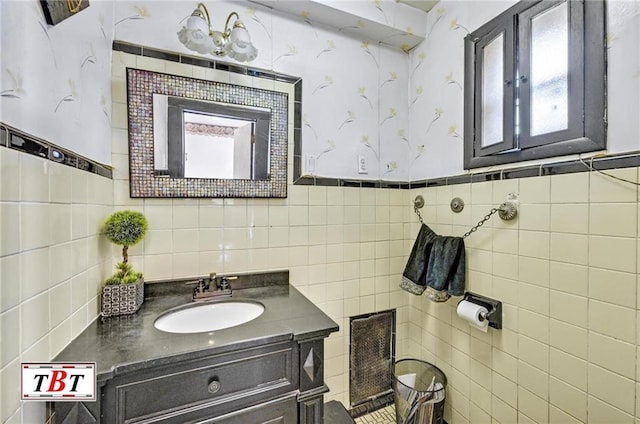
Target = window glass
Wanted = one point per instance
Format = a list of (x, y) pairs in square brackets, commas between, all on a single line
[(492, 91), (535, 83), (549, 71)]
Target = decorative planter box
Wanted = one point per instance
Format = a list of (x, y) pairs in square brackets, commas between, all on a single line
[(122, 299)]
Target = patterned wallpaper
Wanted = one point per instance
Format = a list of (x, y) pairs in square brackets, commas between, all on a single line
[(355, 100), (437, 69), (401, 111), (55, 81)]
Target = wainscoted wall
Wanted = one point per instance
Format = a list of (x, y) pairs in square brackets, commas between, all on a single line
[(566, 271), (344, 247), (566, 268), (52, 263)]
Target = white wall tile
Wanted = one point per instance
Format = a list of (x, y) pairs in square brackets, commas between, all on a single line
[(10, 336), (612, 286), (569, 308), (613, 219), (34, 179), (570, 188), (34, 225), (568, 399), (615, 253), (612, 388), (612, 320), (10, 276), (571, 248), (612, 354), (606, 189), (34, 316), (568, 368), (10, 227), (9, 175), (10, 393), (34, 271), (59, 223), (600, 412), (569, 218), (568, 277), (532, 405)]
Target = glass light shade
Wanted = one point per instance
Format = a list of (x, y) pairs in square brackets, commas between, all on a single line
[(198, 36), (195, 35), (239, 45)]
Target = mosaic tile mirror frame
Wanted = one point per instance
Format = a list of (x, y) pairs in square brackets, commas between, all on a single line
[(144, 182)]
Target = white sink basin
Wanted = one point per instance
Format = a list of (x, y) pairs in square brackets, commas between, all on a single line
[(204, 317)]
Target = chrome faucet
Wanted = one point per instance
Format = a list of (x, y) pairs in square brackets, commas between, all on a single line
[(209, 287)]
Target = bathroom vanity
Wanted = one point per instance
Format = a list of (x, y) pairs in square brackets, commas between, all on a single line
[(268, 370)]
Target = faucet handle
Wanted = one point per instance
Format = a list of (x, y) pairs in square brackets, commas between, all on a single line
[(224, 282), (200, 285)]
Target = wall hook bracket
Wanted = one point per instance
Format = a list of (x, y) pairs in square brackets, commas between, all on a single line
[(418, 202), (508, 210), (457, 204)]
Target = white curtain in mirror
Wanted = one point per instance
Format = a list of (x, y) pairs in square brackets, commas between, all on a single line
[(160, 144)]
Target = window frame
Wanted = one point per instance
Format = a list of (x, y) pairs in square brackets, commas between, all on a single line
[(587, 106)]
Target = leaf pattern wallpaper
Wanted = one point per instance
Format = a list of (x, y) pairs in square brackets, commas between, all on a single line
[(437, 69), (367, 91), (354, 88), (58, 88)]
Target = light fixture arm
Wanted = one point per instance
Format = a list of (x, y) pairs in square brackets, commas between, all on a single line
[(203, 8), (227, 30)]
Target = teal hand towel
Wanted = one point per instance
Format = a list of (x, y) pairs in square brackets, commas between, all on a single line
[(436, 264)]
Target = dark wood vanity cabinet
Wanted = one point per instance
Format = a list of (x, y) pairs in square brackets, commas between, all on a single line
[(270, 383)]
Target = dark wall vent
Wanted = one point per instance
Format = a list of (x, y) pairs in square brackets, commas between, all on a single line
[(371, 356)]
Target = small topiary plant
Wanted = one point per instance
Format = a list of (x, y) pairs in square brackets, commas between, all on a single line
[(125, 228), (124, 275)]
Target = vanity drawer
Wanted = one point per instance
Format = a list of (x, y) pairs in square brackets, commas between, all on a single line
[(206, 387), (279, 411)]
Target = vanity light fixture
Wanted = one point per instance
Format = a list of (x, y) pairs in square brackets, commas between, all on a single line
[(197, 35)]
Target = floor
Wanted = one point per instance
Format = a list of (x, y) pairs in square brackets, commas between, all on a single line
[(381, 416)]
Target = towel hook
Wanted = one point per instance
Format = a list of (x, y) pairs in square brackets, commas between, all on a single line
[(418, 202), (457, 204)]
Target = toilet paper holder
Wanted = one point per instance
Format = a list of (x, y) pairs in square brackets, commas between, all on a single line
[(494, 308)]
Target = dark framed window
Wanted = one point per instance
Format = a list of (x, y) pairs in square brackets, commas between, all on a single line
[(535, 83)]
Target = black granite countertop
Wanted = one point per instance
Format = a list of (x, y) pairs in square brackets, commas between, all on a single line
[(127, 343)]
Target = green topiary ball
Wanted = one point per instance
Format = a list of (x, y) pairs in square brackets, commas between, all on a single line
[(125, 228)]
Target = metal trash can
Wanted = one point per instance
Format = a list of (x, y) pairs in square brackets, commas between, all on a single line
[(419, 392)]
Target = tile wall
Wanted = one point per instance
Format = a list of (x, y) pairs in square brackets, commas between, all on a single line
[(344, 247), (566, 271), (51, 265)]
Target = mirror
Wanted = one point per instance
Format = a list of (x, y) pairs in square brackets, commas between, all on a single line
[(199, 138)]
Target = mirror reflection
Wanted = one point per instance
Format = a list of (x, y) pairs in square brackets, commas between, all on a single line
[(202, 139)]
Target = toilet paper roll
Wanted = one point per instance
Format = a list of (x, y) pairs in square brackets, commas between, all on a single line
[(471, 312)]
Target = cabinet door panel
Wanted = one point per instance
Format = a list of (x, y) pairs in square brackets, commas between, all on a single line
[(281, 411)]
